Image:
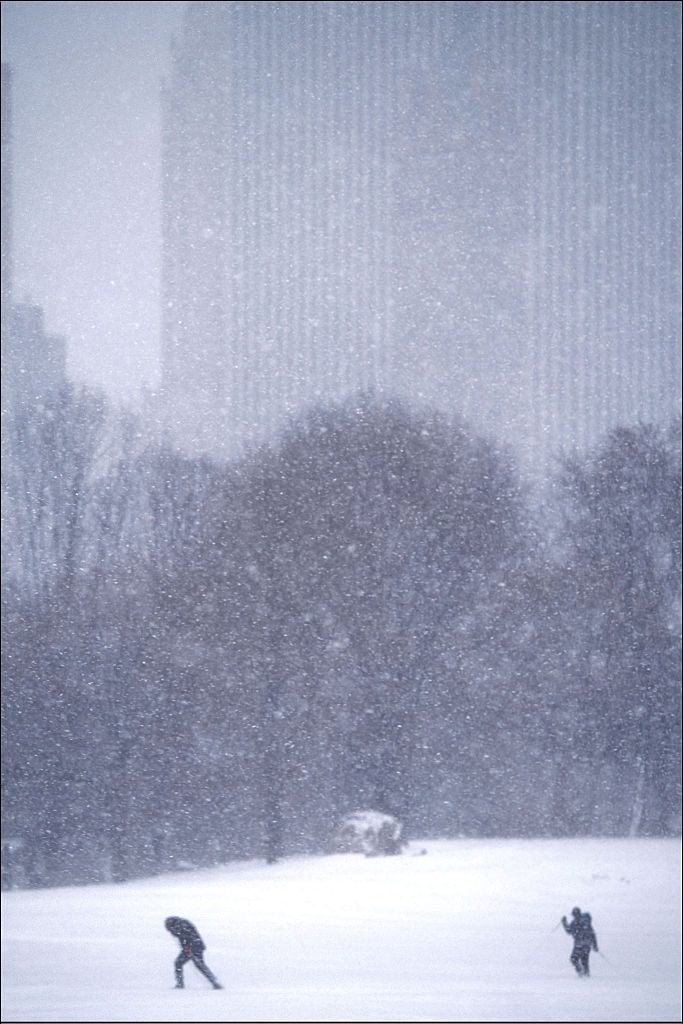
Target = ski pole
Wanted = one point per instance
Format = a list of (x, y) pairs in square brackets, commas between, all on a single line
[(556, 926), (605, 958)]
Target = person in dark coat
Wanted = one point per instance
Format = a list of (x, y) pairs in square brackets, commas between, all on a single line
[(192, 948), (581, 929)]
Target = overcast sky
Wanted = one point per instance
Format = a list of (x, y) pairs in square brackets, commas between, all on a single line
[(86, 177)]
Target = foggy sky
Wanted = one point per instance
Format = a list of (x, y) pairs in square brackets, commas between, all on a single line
[(86, 141)]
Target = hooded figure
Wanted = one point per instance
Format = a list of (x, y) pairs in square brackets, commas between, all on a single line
[(585, 939), (192, 948)]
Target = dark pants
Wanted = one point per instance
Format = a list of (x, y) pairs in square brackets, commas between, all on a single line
[(579, 958), (197, 958)]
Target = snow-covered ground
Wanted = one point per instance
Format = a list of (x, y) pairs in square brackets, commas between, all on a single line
[(465, 932)]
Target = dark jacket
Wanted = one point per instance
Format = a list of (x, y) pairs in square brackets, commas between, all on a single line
[(187, 935), (581, 930)]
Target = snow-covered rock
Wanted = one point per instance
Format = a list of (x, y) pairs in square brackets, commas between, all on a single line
[(370, 832)]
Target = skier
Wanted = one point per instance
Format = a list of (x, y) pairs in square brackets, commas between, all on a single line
[(192, 948), (585, 939)]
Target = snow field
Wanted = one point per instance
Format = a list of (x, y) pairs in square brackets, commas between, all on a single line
[(466, 932)]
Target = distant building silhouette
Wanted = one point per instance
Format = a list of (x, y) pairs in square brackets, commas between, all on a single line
[(33, 362), (599, 95), (279, 124), (471, 205), (6, 188), (38, 358)]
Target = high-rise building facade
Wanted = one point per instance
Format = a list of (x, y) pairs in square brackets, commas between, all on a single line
[(601, 99), (278, 209), (475, 206)]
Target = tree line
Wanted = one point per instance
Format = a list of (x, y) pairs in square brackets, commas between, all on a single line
[(207, 661)]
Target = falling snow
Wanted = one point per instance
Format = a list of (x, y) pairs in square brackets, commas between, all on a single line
[(393, 536)]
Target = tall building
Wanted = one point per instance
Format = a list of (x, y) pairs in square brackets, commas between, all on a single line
[(475, 206), (6, 225), (601, 99), (38, 359), (33, 362), (279, 149)]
